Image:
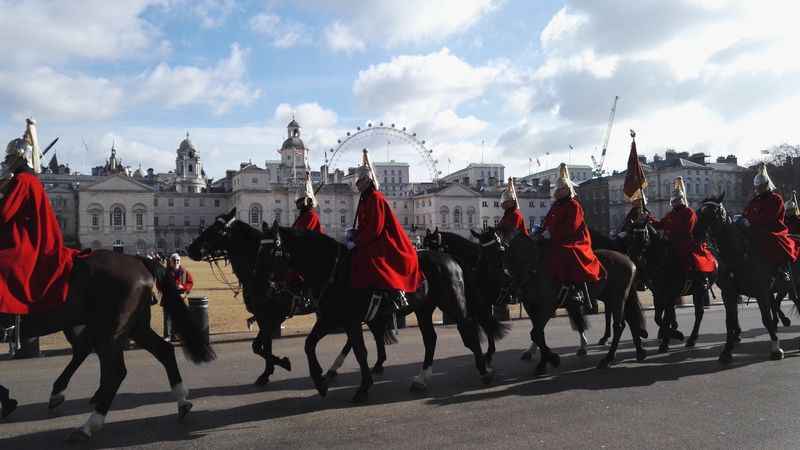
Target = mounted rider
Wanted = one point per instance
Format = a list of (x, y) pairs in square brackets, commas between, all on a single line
[(383, 259), (572, 261), (690, 255), (512, 221), (764, 216), (793, 215), (306, 205), (34, 264)]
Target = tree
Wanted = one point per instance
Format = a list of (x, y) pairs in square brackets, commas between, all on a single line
[(783, 164)]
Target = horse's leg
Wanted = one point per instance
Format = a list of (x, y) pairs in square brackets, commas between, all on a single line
[(262, 346), (112, 372), (785, 321), (730, 299), (699, 299), (81, 348), (770, 323), (607, 332), (7, 404), (579, 322), (165, 354), (527, 355), (377, 328), (315, 370), (428, 332), (619, 327), (468, 330), (356, 336), (333, 371), (547, 355)]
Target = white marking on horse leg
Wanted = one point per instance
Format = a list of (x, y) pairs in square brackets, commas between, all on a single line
[(775, 345), (424, 376), (180, 392), (337, 363), (58, 397), (94, 423), (532, 349), (584, 341)]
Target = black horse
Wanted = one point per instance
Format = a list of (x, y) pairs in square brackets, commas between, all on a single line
[(741, 271), (109, 302), (482, 292), (324, 264), (540, 292), (270, 303)]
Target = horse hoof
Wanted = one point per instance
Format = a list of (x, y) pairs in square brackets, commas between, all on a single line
[(786, 322), (418, 387), (641, 354), (555, 360), (604, 363), (183, 410), (663, 348), (690, 342), (488, 377), (377, 370), (776, 355), (322, 387), (678, 335), (541, 370), (78, 436), (93, 400), (262, 380), (285, 364), (8, 407), (643, 334), (602, 341), (582, 353), (56, 400), (360, 397), (725, 357), (526, 356)]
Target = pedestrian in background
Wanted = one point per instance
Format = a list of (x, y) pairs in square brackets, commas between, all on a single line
[(183, 279)]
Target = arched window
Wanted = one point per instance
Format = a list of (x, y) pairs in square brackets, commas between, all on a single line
[(470, 216), (117, 217), (255, 215), (444, 212), (457, 216)]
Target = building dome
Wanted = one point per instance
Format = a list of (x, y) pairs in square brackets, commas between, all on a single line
[(293, 142), (186, 147)]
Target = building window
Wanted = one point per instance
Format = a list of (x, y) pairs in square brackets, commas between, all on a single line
[(216, 203), (139, 221), (542, 204), (186, 221), (457, 216), (202, 202), (277, 201), (532, 204), (171, 202), (496, 204), (254, 180), (191, 168), (485, 204), (117, 218), (405, 220), (155, 201), (172, 221), (496, 220), (343, 221), (202, 223), (95, 221), (485, 223), (186, 203), (155, 221), (255, 215)]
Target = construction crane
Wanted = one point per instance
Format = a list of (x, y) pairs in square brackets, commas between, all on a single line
[(598, 170)]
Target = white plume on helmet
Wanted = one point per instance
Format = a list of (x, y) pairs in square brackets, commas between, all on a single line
[(367, 171), (678, 193), (762, 178), (793, 208), (564, 185), (308, 196), (510, 193), (23, 151)]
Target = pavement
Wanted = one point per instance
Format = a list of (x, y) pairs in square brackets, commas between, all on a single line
[(684, 399)]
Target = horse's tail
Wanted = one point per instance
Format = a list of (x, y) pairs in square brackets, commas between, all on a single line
[(576, 318), (195, 345), (492, 326)]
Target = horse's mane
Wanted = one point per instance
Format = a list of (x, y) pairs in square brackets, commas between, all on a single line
[(602, 241), (461, 247), (316, 253)]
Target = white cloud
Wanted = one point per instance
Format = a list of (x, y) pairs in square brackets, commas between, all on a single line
[(47, 94), (309, 115), (341, 38), (212, 13), (282, 33), (46, 32), (398, 23), (221, 87)]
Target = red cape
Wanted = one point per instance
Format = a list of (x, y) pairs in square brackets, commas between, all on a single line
[(766, 214), (512, 220), (679, 224), (308, 220), (34, 264), (571, 255), (384, 257)]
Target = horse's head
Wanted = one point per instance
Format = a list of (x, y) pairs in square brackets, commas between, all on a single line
[(433, 239), (492, 257), (638, 240), (711, 217), (213, 241)]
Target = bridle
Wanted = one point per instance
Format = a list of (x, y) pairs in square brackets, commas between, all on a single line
[(216, 255)]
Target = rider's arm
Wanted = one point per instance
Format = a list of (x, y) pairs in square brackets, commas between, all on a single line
[(374, 217), (189, 283), (18, 193)]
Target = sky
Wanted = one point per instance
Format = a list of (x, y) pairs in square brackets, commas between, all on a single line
[(509, 81)]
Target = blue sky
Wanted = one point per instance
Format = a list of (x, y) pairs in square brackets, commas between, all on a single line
[(507, 79)]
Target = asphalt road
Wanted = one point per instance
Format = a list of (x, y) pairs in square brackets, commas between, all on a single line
[(684, 399)]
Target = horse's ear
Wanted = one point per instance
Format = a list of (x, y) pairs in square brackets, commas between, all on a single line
[(427, 230), (437, 229), (264, 227), (275, 225), (231, 214)]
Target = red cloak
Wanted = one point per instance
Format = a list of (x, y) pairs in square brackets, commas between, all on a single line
[(512, 220), (308, 220), (34, 264), (692, 255), (384, 257), (571, 255), (766, 214)]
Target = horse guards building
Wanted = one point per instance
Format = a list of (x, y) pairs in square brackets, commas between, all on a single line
[(132, 211)]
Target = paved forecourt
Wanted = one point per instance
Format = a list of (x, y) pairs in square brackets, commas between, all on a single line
[(681, 400)]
